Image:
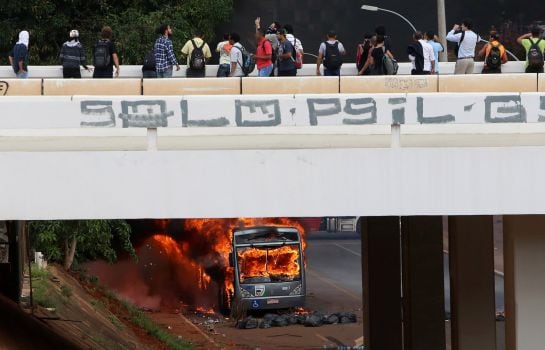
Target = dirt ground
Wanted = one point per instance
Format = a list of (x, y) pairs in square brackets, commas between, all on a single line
[(216, 332)]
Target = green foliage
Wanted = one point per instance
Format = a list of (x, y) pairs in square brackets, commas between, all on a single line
[(42, 293), (95, 239), (134, 24), (66, 291), (139, 318)]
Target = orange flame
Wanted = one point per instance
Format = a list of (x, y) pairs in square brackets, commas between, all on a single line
[(280, 263)]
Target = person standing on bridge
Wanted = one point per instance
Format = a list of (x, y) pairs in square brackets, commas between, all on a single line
[(72, 57), (421, 55), (263, 54), (331, 54), (197, 52), (165, 58), (19, 55), (105, 56), (534, 46), (466, 40), (286, 56), (494, 54), (433, 40)]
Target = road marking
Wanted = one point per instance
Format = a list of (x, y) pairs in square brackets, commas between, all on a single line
[(348, 250), (327, 281), (199, 330)]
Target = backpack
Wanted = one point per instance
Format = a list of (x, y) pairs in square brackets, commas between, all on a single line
[(197, 60), (389, 64), (298, 56), (333, 59), (493, 60), (248, 61), (149, 61), (457, 47), (535, 55), (102, 55)]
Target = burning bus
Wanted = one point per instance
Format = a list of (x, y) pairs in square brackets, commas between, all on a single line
[(268, 268)]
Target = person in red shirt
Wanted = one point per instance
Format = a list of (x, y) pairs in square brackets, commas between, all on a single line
[(263, 55)]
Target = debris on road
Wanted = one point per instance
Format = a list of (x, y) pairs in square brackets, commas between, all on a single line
[(314, 319)]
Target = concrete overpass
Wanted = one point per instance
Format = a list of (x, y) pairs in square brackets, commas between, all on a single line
[(402, 151)]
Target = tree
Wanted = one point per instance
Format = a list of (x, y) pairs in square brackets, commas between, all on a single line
[(69, 241), (134, 23)]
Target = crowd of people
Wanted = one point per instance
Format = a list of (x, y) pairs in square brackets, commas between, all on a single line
[(279, 53)]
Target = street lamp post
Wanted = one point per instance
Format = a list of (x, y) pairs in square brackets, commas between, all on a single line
[(442, 29), (376, 9)]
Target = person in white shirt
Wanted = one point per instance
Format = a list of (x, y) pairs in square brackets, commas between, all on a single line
[(224, 49), (421, 55), (296, 44), (236, 57), (467, 41)]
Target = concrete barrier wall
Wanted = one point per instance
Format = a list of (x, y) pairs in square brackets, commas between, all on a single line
[(300, 183), (43, 112), (189, 86), (289, 85), (391, 84), (275, 86), (108, 87), (489, 83), (19, 87)]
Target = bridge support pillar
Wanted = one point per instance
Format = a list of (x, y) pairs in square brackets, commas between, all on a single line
[(524, 259), (423, 283), (473, 308), (381, 273)]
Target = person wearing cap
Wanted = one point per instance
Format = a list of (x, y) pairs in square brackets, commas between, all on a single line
[(72, 57)]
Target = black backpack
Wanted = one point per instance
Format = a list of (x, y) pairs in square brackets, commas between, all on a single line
[(248, 61), (493, 60), (197, 60), (149, 61), (457, 47), (333, 59), (535, 55), (102, 55)]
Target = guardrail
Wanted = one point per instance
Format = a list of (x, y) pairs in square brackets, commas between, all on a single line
[(515, 82), (129, 71)]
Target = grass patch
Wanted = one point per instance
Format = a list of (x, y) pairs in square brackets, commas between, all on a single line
[(42, 293), (66, 291), (139, 318), (116, 322)]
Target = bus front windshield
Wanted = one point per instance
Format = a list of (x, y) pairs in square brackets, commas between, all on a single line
[(269, 264)]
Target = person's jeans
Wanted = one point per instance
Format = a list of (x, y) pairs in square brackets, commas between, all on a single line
[(534, 70), (224, 71), (287, 73), (165, 74), (266, 71), (190, 73), (149, 74), (332, 72), (22, 75)]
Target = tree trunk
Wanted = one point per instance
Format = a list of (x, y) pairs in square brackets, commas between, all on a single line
[(70, 252)]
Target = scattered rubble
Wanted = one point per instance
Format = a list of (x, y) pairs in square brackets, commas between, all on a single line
[(315, 319)]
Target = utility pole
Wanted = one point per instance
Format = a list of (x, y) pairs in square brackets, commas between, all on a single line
[(442, 29)]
